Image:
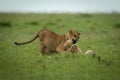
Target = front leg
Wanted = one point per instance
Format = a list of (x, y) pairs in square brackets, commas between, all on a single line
[(59, 48), (64, 46)]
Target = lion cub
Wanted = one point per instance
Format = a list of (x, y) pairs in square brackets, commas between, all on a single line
[(51, 42), (70, 46)]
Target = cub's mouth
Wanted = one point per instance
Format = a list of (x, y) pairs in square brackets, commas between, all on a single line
[(74, 41)]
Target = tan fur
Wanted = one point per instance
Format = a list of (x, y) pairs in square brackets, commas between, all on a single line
[(70, 47), (75, 49), (52, 42), (65, 46)]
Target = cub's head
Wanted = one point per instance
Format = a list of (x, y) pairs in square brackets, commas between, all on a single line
[(74, 36)]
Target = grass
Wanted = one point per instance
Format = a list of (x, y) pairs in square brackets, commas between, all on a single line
[(99, 32)]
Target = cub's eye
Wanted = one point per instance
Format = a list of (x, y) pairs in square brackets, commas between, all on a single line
[(74, 35)]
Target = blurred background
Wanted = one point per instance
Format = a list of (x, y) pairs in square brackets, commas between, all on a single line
[(60, 6), (98, 21)]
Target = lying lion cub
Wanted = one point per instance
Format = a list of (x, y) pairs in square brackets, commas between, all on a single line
[(70, 46)]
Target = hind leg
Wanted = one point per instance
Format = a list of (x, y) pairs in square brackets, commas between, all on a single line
[(42, 47)]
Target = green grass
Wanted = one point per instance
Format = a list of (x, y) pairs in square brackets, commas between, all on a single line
[(100, 32)]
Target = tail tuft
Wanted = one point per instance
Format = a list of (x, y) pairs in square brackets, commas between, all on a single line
[(16, 43)]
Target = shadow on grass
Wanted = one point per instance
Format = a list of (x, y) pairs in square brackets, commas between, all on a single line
[(51, 23), (117, 26), (5, 24), (34, 23), (84, 15)]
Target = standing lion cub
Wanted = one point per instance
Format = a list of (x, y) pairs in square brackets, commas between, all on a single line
[(51, 42)]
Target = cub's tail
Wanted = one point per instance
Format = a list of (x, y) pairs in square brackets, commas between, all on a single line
[(22, 43)]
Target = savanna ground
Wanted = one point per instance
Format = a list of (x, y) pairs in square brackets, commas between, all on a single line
[(99, 32)]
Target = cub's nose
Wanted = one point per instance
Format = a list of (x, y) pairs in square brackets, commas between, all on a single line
[(74, 41)]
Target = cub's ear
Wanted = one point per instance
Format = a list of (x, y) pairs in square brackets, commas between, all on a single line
[(70, 31)]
